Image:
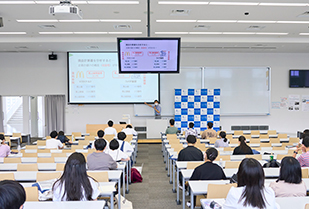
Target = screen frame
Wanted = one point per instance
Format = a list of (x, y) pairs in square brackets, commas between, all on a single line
[(99, 103), (290, 79), (145, 72)]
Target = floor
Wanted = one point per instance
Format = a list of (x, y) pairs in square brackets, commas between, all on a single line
[(155, 192)]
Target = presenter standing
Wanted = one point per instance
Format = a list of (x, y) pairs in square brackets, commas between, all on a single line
[(157, 109)]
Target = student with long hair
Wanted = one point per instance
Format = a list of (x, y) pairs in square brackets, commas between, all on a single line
[(12, 195), (250, 191), (243, 148), (75, 184), (289, 183), (222, 142)]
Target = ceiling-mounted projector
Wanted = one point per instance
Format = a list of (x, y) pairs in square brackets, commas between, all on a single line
[(65, 10)]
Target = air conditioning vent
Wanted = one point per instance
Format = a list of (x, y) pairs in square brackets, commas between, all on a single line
[(180, 12), (122, 27), (255, 27), (201, 27), (92, 47), (305, 14), (47, 26), (73, 10)]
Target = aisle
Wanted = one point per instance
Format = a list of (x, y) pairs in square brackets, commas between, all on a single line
[(155, 192)]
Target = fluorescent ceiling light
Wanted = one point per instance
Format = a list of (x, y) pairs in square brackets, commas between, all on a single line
[(56, 33), (136, 33), (176, 21), (294, 22), (218, 21), (89, 33), (113, 2), (171, 33), (17, 2), (205, 33), (304, 34), (46, 2), (13, 33), (29, 21), (184, 2), (235, 3), (79, 2), (284, 4), (277, 34), (84, 20), (238, 33), (256, 21), (107, 20)]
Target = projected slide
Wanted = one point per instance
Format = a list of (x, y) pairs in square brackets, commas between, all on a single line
[(94, 78), (148, 55)]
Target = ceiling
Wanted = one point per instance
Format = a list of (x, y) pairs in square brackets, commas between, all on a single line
[(204, 26)]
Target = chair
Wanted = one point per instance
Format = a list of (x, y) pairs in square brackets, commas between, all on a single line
[(218, 190), (304, 173), (109, 137), (307, 206), (31, 146), (7, 176), (45, 160), (212, 140), (58, 155), (228, 148), (264, 136), (229, 136), (234, 141), (255, 141), (30, 154), (60, 166), (224, 157), (257, 157), (280, 157), (274, 140), (171, 136), (238, 133), (48, 137), (293, 140), (44, 176), (265, 145), (83, 142), (129, 138), (32, 194), (271, 132), (18, 135), (193, 165), (255, 132), (282, 136), (89, 138), (41, 143), (101, 176), (279, 148), (76, 134), (43, 150), (232, 164), (12, 160), (27, 167)]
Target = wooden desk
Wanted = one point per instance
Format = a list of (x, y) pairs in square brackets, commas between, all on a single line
[(65, 205)]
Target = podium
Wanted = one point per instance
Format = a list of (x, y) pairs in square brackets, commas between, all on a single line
[(155, 126)]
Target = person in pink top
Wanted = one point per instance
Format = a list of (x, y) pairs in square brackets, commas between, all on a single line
[(4, 148), (303, 159)]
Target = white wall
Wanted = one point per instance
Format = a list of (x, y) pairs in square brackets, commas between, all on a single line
[(34, 74)]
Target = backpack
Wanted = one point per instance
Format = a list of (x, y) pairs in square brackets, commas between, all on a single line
[(136, 176), (272, 164)]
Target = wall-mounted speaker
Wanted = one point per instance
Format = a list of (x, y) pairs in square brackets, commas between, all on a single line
[(52, 56)]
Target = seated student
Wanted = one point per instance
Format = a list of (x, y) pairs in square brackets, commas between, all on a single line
[(100, 135), (172, 129), (63, 138), (303, 159), (222, 142), (4, 148), (53, 143), (289, 183), (209, 132), (243, 148), (12, 195), (110, 130), (190, 153), (124, 146), (191, 130), (129, 130), (250, 192), (75, 184), (99, 160), (115, 152)]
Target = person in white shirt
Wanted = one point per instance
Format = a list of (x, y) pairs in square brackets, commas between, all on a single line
[(53, 143), (191, 130), (100, 135), (115, 152), (250, 192), (129, 130), (123, 145), (110, 130)]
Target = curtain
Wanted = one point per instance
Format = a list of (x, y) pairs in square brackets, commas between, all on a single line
[(54, 113), (1, 116)]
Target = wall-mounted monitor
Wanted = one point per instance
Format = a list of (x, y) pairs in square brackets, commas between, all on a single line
[(148, 55), (299, 78), (93, 78)]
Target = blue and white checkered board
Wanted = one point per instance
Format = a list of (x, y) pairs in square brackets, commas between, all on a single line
[(199, 106)]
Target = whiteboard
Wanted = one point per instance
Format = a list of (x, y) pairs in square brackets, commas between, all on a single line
[(244, 90)]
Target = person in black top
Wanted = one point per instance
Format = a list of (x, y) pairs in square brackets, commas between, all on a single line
[(63, 138), (243, 148), (190, 153), (209, 170)]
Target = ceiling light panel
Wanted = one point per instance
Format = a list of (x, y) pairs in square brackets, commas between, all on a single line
[(17, 2), (113, 2), (13, 33), (235, 3), (184, 2), (180, 21)]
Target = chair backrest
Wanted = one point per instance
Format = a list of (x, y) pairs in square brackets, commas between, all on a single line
[(171, 136), (224, 157), (218, 190), (255, 141), (257, 157), (279, 148), (109, 137), (58, 155), (12, 160), (48, 137), (280, 157), (44, 176), (83, 142), (255, 132), (30, 154), (101, 176), (31, 146), (305, 173), (193, 165), (32, 194), (265, 145), (46, 160), (234, 141), (89, 138), (264, 136), (7, 176), (271, 132), (76, 134), (60, 166), (41, 142), (232, 164), (27, 167), (44, 150), (212, 140), (274, 140), (238, 133), (129, 138), (294, 140), (228, 148), (282, 136)]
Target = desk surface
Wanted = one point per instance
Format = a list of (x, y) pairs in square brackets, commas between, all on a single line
[(65, 205)]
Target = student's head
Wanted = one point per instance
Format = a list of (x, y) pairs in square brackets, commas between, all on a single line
[(114, 144), (53, 134), (129, 126), (61, 133), (242, 143), (191, 139), (210, 125), (251, 175), (100, 144), (75, 179), (222, 134), (290, 171), (305, 133), (211, 154), (172, 122), (2, 137), (100, 133), (191, 125), (121, 136), (110, 123), (306, 141), (12, 195)]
